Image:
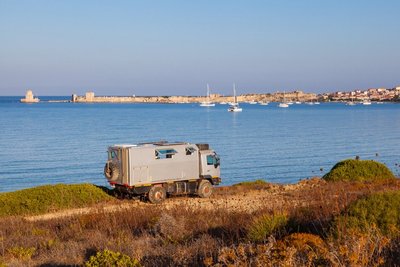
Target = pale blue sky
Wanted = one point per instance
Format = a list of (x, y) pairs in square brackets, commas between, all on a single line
[(176, 47)]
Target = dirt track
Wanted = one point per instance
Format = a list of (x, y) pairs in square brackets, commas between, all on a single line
[(228, 198)]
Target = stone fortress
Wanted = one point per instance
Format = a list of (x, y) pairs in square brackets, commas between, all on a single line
[(29, 97)]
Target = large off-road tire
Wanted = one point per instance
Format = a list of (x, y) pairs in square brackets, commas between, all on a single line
[(157, 194), (111, 171), (205, 189)]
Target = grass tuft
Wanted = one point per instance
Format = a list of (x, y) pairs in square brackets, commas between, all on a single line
[(265, 225)]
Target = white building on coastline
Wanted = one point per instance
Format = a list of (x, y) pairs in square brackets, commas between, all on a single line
[(29, 98)]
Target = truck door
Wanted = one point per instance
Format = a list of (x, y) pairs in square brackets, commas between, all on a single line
[(139, 167), (210, 164)]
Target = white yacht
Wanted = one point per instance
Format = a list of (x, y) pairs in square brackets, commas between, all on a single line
[(234, 106), (207, 103), (263, 103), (284, 104), (366, 103), (252, 102)]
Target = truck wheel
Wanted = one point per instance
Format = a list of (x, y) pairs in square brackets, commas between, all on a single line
[(205, 189), (157, 194), (111, 171)]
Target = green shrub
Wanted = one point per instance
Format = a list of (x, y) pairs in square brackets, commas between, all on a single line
[(108, 258), (358, 170), (42, 199), (251, 183), (379, 210), (266, 225)]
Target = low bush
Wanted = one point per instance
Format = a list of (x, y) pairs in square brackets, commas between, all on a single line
[(49, 198), (380, 210), (22, 253), (308, 249), (110, 258), (266, 225), (358, 170)]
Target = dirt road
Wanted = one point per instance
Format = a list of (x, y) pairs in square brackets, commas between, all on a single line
[(239, 198)]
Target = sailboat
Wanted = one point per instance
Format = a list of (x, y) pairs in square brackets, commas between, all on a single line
[(207, 103), (283, 104), (350, 103), (234, 107)]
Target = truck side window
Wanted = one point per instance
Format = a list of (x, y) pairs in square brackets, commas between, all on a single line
[(165, 153), (190, 150), (213, 160)]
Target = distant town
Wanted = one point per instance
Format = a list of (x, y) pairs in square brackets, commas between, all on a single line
[(372, 94)]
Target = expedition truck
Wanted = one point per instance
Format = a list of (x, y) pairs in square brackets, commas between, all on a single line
[(156, 170)]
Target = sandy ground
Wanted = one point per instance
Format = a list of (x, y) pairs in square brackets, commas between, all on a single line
[(272, 196)]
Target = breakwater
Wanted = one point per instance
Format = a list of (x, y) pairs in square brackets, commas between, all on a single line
[(90, 97)]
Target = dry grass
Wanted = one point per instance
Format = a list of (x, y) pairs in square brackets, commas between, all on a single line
[(176, 234)]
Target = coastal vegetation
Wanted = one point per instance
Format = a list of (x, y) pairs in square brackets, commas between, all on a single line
[(111, 258), (379, 210), (50, 198), (358, 170), (312, 223)]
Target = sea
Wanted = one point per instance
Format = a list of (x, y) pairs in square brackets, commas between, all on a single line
[(50, 143)]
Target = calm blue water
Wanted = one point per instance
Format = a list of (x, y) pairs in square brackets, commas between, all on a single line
[(66, 143)]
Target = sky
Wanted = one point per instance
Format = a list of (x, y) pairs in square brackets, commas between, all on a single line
[(176, 47)]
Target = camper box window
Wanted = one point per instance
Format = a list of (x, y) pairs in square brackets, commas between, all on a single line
[(190, 150), (165, 153)]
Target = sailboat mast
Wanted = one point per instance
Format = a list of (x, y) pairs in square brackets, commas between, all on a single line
[(234, 93)]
